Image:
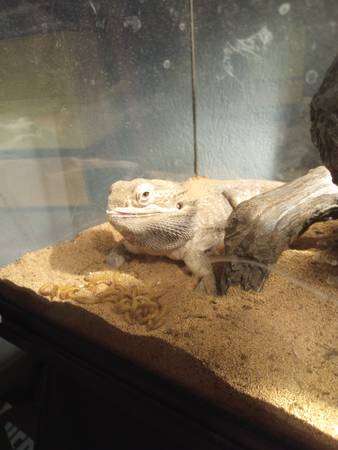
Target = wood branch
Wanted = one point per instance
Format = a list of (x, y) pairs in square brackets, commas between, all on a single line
[(260, 229), (324, 120)]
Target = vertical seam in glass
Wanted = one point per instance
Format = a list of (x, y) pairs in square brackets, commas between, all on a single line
[(193, 85)]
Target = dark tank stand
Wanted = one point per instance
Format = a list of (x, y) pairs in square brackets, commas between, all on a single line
[(260, 229)]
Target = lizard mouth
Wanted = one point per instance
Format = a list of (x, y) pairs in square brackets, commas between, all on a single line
[(145, 211)]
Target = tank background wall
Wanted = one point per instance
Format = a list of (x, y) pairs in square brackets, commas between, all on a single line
[(258, 63), (96, 91)]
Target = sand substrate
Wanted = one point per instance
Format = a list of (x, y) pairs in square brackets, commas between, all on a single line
[(271, 356)]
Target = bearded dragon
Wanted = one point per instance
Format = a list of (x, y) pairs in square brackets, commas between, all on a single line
[(182, 221)]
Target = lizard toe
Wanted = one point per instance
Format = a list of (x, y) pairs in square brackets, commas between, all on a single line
[(207, 286)]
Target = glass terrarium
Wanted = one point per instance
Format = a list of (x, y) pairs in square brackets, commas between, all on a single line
[(211, 99)]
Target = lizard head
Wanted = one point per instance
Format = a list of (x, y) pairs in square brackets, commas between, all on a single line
[(151, 213)]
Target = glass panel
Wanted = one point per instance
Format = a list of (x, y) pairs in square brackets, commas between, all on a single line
[(258, 63), (91, 92)]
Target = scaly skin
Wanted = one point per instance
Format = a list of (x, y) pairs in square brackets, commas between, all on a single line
[(182, 221)]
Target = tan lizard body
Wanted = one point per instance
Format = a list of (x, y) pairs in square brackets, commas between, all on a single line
[(182, 221)]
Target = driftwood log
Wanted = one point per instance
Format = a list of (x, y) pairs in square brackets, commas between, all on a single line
[(260, 229)]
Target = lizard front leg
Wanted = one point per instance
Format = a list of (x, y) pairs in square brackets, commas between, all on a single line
[(201, 267), (118, 256)]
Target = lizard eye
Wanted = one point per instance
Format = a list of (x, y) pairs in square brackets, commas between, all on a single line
[(179, 205), (143, 193)]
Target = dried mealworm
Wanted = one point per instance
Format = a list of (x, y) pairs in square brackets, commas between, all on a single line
[(122, 307), (99, 278), (65, 292), (157, 321), (127, 317), (96, 288), (54, 291), (107, 292), (86, 300), (154, 324), (144, 299), (80, 295), (46, 289)]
